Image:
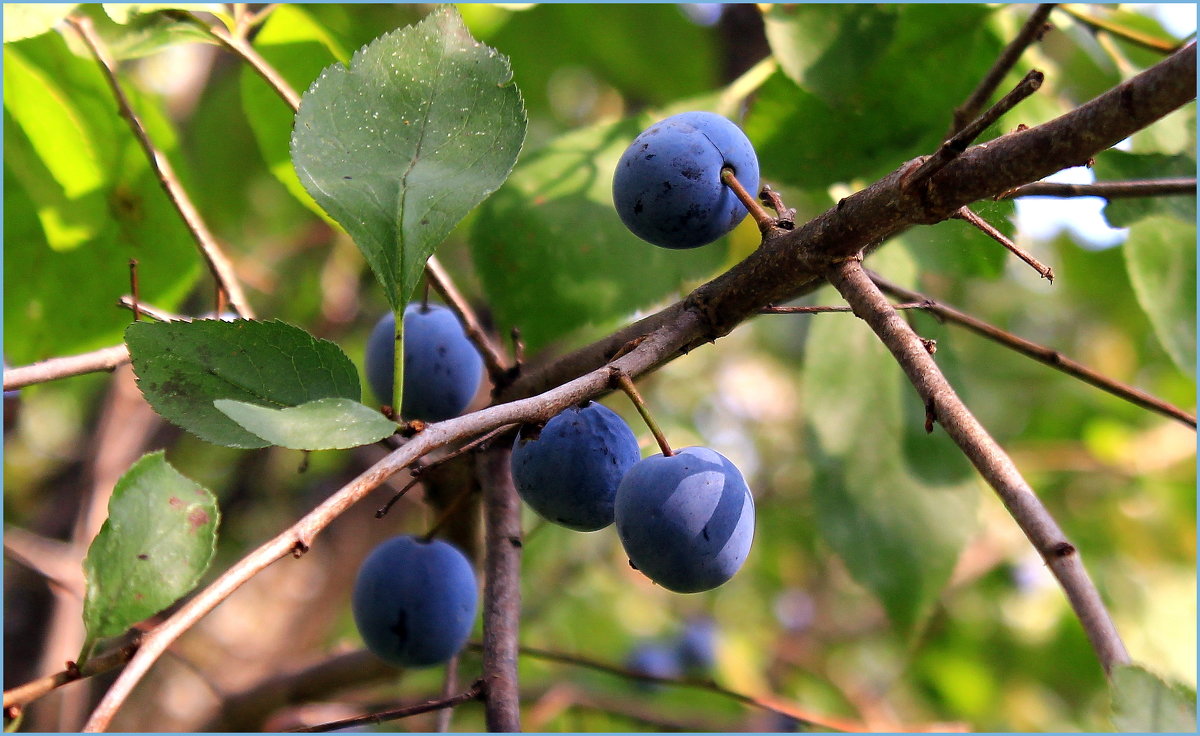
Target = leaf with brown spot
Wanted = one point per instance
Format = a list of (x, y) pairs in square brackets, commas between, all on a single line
[(152, 549)]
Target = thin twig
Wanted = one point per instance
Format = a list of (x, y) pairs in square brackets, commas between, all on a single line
[(1127, 34), (869, 303), (449, 685), (472, 693), (218, 263), (159, 315), (833, 308), (501, 591), (986, 227), (625, 383), (497, 365), (1107, 189), (761, 217), (953, 147), (769, 703), (23, 695), (1032, 30), (242, 47), (1040, 353), (104, 359)]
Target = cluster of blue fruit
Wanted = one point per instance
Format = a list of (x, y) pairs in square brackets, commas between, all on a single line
[(686, 520), (693, 652)]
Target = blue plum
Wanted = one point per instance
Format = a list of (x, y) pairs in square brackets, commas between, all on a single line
[(414, 601), (442, 368), (569, 472), (697, 645), (656, 660), (686, 521), (667, 188)]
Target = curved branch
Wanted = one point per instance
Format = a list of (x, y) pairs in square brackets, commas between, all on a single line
[(985, 454)]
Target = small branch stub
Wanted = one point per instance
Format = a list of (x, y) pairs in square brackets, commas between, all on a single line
[(1043, 270), (765, 222)]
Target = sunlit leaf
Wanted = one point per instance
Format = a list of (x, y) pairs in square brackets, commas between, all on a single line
[(324, 424)]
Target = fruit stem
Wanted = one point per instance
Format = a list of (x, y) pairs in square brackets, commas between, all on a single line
[(398, 365), (622, 380), (764, 220)]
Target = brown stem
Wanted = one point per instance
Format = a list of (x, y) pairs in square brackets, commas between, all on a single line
[(104, 359), (625, 383), (23, 695), (824, 309), (1031, 31), (471, 693), (986, 228), (765, 221), (1107, 189), (1040, 353), (501, 592), (869, 303), (218, 264), (956, 144)]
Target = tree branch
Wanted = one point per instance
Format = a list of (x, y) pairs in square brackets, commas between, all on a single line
[(1107, 189), (788, 265), (218, 263), (849, 278), (493, 358), (471, 693), (1127, 34), (501, 592), (1040, 353), (104, 359), (967, 214)]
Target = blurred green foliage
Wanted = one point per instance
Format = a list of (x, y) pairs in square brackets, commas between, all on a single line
[(819, 615)]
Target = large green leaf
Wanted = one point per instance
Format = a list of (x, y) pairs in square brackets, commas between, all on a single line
[(324, 424), (1141, 702), (1160, 254), (23, 20), (829, 125), (158, 540), (553, 224), (183, 367), (80, 202), (898, 526), (1114, 165), (402, 144)]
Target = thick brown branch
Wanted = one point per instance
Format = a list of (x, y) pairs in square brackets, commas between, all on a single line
[(789, 265), (869, 303), (501, 592), (1107, 189), (1040, 353)]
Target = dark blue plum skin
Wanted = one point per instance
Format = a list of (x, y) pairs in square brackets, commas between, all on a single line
[(569, 472), (686, 521), (414, 602), (442, 368), (667, 188)]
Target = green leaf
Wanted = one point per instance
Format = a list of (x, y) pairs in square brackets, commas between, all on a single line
[(842, 126), (898, 526), (24, 20), (324, 424), (131, 31), (402, 144), (553, 224), (83, 201), (1160, 255), (1141, 702), (1114, 165), (183, 367), (158, 540)]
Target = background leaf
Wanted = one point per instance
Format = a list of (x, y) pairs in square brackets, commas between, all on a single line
[(899, 529), (1160, 254), (80, 201), (1142, 702), (324, 424), (158, 540), (403, 143), (553, 223), (24, 20), (183, 367)]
